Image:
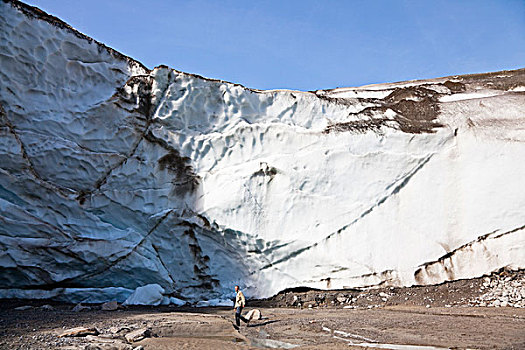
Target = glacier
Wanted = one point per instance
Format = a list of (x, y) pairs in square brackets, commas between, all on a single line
[(114, 176)]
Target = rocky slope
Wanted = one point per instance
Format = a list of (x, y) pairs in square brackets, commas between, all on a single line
[(114, 176)]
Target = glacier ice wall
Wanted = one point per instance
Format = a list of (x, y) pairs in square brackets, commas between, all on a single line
[(114, 176)]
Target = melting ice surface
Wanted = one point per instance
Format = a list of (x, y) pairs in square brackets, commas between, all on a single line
[(373, 344), (271, 344), (398, 346)]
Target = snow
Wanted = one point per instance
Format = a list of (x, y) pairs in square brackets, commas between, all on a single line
[(356, 340), (214, 302), (359, 93), (177, 301), (187, 186), (469, 95), (150, 294)]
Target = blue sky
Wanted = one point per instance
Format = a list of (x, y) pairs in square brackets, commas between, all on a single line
[(307, 45)]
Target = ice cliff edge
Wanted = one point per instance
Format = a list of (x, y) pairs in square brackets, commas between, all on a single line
[(114, 176)]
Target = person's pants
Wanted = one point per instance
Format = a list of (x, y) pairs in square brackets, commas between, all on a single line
[(239, 317)]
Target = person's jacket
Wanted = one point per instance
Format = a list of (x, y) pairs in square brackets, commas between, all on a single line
[(239, 300)]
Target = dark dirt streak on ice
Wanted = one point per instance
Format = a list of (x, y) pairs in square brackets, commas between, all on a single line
[(156, 249), (440, 260), (403, 182), (65, 192), (116, 261), (45, 223), (144, 108)]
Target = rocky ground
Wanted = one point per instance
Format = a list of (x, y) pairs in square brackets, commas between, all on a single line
[(484, 313), (503, 288)]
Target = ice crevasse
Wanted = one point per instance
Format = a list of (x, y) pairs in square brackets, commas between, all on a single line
[(114, 176)]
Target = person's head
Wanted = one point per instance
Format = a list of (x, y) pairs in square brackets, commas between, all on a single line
[(236, 288)]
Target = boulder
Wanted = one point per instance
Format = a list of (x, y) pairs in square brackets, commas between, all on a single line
[(254, 314), (137, 335), (79, 332), (341, 299), (79, 307), (118, 329), (109, 306)]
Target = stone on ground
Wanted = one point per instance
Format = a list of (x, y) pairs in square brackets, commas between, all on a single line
[(254, 314), (137, 335), (79, 332), (79, 307), (109, 306)]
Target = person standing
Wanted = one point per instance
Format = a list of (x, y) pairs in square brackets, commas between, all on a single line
[(240, 302)]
